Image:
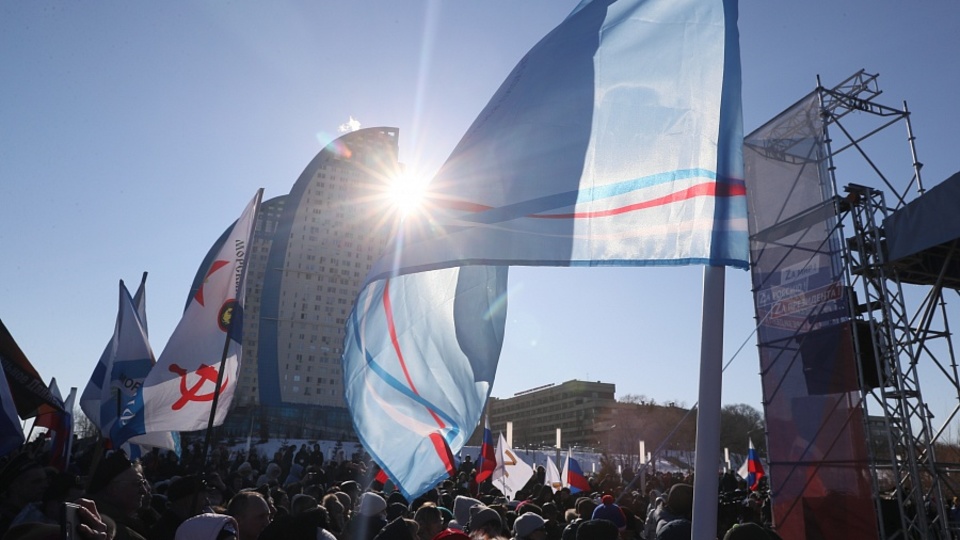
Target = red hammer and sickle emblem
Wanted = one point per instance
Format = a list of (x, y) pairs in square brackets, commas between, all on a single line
[(206, 373)]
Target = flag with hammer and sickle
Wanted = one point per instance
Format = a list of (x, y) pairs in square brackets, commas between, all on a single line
[(179, 391)]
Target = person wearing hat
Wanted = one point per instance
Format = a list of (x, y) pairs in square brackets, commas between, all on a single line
[(485, 523), (335, 512), (653, 514), (208, 527), (186, 497), (369, 520), (679, 505), (610, 511), (118, 488), (451, 534), (530, 526), (461, 511)]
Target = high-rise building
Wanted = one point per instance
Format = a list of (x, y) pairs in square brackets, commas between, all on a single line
[(311, 251)]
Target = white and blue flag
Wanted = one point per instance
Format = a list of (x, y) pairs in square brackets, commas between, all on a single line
[(617, 140), (100, 398), (11, 432), (120, 372), (200, 363)]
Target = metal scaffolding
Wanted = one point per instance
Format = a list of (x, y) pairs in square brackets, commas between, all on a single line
[(895, 341)]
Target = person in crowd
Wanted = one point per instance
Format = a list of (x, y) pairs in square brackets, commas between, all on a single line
[(399, 529), (91, 526), (186, 497), (678, 505), (430, 521), (336, 513), (451, 534), (485, 524), (750, 531), (306, 521), (597, 529), (119, 489), (247, 475), (62, 487), (270, 477), (207, 527), (550, 515), (252, 513), (610, 511), (529, 526), (676, 529), (369, 519), (22, 482), (583, 511), (461, 511)]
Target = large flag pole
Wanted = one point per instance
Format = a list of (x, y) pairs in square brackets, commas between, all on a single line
[(228, 335), (706, 481)]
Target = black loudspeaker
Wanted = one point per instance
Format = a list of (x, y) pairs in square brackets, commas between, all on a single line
[(868, 357), (828, 354)]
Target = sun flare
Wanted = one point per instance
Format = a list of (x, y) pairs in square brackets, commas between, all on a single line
[(406, 192)]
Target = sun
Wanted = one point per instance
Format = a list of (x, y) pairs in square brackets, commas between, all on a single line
[(406, 192)]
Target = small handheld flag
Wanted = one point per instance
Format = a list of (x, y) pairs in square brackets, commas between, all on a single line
[(488, 459), (752, 468)]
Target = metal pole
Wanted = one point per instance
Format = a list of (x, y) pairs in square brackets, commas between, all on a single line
[(706, 481)]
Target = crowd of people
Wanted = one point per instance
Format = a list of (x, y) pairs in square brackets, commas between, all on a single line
[(298, 494)]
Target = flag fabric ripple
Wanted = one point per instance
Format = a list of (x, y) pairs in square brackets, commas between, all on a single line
[(178, 393), (99, 400), (121, 370), (416, 401), (617, 140), (572, 475)]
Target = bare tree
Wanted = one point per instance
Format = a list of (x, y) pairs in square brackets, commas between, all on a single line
[(739, 424), (83, 427)]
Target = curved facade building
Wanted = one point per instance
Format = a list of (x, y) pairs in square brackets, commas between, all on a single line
[(312, 249)]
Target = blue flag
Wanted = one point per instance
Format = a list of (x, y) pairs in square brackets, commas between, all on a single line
[(100, 398), (617, 140), (11, 432), (120, 372)]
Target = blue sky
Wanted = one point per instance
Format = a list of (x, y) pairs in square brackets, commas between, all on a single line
[(132, 134)]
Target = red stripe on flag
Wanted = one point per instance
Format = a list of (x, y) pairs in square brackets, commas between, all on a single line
[(709, 189), (443, 451), (388, 310)]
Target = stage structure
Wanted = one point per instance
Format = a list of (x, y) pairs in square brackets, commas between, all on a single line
[(851, 300)]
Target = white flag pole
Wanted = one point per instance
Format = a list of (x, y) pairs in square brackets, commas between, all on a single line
[(241, 282), (510, 434), (706, 481)]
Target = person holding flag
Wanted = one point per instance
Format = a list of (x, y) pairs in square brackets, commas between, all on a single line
[(552, 477), (752, 468), (488, 459), (511, 473), (572, 475)]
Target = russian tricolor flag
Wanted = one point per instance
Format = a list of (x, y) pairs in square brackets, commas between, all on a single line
[(573, 475), (752, 469), (488, 459)]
